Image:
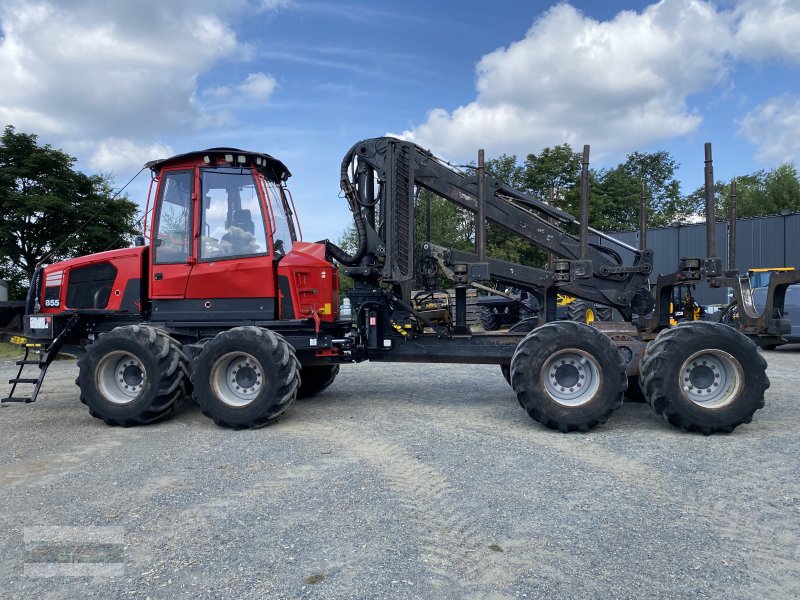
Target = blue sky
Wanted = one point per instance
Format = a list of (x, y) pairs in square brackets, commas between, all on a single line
[(117, 84)]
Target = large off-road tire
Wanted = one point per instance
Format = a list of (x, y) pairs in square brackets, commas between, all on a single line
[(581, 312), (603, 313), (526, 325), (245, 377), (490, 318), (506, 371), (132, 375), (568, 376), (704, 377), (315, 379)]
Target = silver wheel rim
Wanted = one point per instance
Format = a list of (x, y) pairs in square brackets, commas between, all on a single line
[(237, 378), (711, 378), (120, 377), (572, 377)]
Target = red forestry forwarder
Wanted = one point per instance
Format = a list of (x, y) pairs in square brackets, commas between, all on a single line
[(222, 300)]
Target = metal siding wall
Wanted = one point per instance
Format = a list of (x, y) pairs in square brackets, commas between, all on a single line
[(760, 242), (792, 241)]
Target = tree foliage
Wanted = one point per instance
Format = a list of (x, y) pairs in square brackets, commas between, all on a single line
[(758, 194), (48, 209)]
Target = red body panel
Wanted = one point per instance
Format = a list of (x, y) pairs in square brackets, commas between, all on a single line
[(234, 278), (127, 261), (314, 282), (169, 281)]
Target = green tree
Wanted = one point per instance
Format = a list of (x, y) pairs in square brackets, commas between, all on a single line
[(48, 209), (614, 193), (552, 175), (783, 189), (758, 194), (501, 243)]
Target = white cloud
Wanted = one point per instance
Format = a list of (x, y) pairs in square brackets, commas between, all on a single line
[(114, 154), (122, 72), (258, 86), (274, 4), (768, 29), (94, 73), (774, 127), (617, 84)]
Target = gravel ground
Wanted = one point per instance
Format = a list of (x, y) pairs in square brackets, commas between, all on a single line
[(406, 482)]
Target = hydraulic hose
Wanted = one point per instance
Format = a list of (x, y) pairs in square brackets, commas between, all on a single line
[(353, 200)]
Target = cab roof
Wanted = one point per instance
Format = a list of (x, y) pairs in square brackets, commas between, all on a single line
[(269, 166)]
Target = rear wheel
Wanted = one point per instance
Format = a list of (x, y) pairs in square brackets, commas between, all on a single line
[(568, 376), (703, 376), (526, 325), (490, 318), (581, 312), (604, 313), (245, 377), (132, 375), (315, 379)]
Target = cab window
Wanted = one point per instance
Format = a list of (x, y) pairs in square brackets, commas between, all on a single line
[(232, 224), (283, 236), (174, 223)]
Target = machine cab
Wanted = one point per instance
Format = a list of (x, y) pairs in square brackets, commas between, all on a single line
[(220, 221)]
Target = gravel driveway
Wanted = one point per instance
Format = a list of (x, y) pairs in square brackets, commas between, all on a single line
[(417, 481)]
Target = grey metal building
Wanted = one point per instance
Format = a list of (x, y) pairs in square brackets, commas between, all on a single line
[(760, 242)]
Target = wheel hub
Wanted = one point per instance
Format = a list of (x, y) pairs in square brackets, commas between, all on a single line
[(571, 377), (711, 378), (246, 377), (703, 377), (237, 378), (568, 375), (120, 377), (131, 374)]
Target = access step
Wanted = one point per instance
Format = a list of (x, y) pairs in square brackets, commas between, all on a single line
[(12, 399), (24, 380)]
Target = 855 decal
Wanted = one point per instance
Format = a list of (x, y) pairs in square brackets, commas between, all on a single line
[(51, 296)]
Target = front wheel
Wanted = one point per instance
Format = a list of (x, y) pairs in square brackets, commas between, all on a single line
[(245, 377), (568, 376), (132, 375), (703, 376)]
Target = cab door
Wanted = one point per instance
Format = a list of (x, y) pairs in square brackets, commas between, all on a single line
[(173, 235), (234, 254)]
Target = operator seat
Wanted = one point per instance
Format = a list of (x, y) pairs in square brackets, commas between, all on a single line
[(240, 234), (243, 219)]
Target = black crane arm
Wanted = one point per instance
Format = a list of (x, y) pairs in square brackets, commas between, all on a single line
[(381, 176)]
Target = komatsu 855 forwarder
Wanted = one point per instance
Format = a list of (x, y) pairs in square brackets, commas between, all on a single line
[(220, 299)]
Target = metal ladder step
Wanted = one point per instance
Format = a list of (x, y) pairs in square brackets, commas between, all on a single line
[(47, 352), (37, 381)]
